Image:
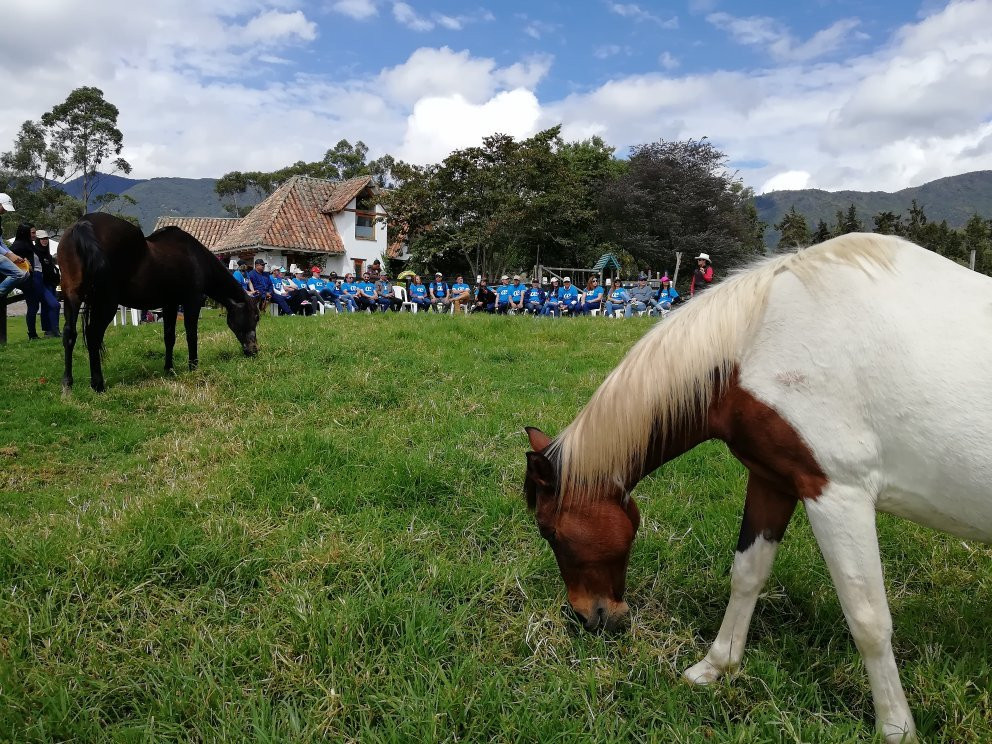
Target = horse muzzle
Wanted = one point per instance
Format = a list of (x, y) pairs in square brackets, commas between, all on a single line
[(605, 616)]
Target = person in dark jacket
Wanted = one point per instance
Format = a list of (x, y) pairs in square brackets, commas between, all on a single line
[(485, 298), (38, 294), (702, 277)]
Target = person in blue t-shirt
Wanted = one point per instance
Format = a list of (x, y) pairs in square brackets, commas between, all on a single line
[(349, 292), (667, 296), (503, 295), (517, 291), (461, 293), (366, 295), (568, 297), (534, 297), (592, 299), (327, 292), (619, 299), (418, 294), (552, 305), (304, 290), (440, 293), (241, 274)]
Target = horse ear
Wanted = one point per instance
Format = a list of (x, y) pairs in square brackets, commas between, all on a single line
[(540, 470), (539, 441)]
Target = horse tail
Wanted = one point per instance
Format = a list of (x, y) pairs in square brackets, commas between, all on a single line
[(96, 279)]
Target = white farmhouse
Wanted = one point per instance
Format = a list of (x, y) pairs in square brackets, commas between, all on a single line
[(336, 225)]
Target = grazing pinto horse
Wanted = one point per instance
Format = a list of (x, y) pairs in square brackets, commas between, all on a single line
[(851, 408), (106, 262)]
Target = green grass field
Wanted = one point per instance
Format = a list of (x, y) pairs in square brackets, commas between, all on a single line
[(329, 542)]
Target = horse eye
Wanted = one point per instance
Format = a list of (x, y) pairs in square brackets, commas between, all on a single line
[(548, 533)]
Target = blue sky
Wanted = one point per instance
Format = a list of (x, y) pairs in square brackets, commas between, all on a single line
[(830, 94)]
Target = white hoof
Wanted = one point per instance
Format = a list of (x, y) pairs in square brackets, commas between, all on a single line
[(898, 733), (702, 673)]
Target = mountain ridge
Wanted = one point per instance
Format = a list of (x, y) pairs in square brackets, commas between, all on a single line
[(951, 198)]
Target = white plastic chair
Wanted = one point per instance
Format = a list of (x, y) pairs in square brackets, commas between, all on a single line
[(121, 315), (400, 293)]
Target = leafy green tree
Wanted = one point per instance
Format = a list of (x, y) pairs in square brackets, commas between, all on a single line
[(678, 196), (822, 233), (75, 138), (916, 225), (888, 223), (504, 204), (794, 232), (978, 237)]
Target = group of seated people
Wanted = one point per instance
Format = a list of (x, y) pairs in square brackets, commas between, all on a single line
[(296, 295), (566, 299)]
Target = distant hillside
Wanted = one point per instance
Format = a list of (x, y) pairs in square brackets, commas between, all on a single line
[(954, 199), (105, 184), (172, 197)]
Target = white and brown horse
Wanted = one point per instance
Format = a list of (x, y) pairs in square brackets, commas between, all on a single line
[(871, 403)]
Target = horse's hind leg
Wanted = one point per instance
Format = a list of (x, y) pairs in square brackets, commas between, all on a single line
[(169, 331), (766, 515), (843, 520), (69, 339), (191, 318), (100, 317)]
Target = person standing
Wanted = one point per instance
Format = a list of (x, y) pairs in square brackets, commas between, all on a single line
[(702, 277), (11, 275), (35, 293), (50, 279)]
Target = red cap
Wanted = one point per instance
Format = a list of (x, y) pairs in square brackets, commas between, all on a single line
[(314, 269)]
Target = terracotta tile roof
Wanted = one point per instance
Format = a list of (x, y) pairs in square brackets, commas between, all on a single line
[(292, 218), (344, 192), (208, 230)]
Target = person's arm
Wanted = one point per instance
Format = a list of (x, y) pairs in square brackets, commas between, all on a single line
[(708, 274)]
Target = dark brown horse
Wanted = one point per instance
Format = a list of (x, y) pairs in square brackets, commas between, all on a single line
[(107, 262)]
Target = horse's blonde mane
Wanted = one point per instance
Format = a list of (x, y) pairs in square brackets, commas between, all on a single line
[(668, 379)]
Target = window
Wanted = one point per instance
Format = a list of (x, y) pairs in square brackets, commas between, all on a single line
[(365, 216)]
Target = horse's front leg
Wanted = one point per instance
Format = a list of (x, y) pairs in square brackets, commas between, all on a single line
[(69, 340), (191, 317), (766, 516), (843, 520), (169, 331)]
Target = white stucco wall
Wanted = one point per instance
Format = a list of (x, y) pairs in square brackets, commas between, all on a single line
[(355, 248)]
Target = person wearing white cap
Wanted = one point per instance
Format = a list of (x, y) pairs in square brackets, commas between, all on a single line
[(569, 296), (440, 293), (502, 291), (702, 277), (10, 275)]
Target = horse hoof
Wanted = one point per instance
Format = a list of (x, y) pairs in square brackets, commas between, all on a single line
[(702, 673), (894, 733)]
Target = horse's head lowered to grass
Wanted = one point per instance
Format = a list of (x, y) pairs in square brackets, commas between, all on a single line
[(591, 539), (242, 319)]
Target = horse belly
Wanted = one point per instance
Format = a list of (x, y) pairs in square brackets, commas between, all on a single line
[(966, 515)]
